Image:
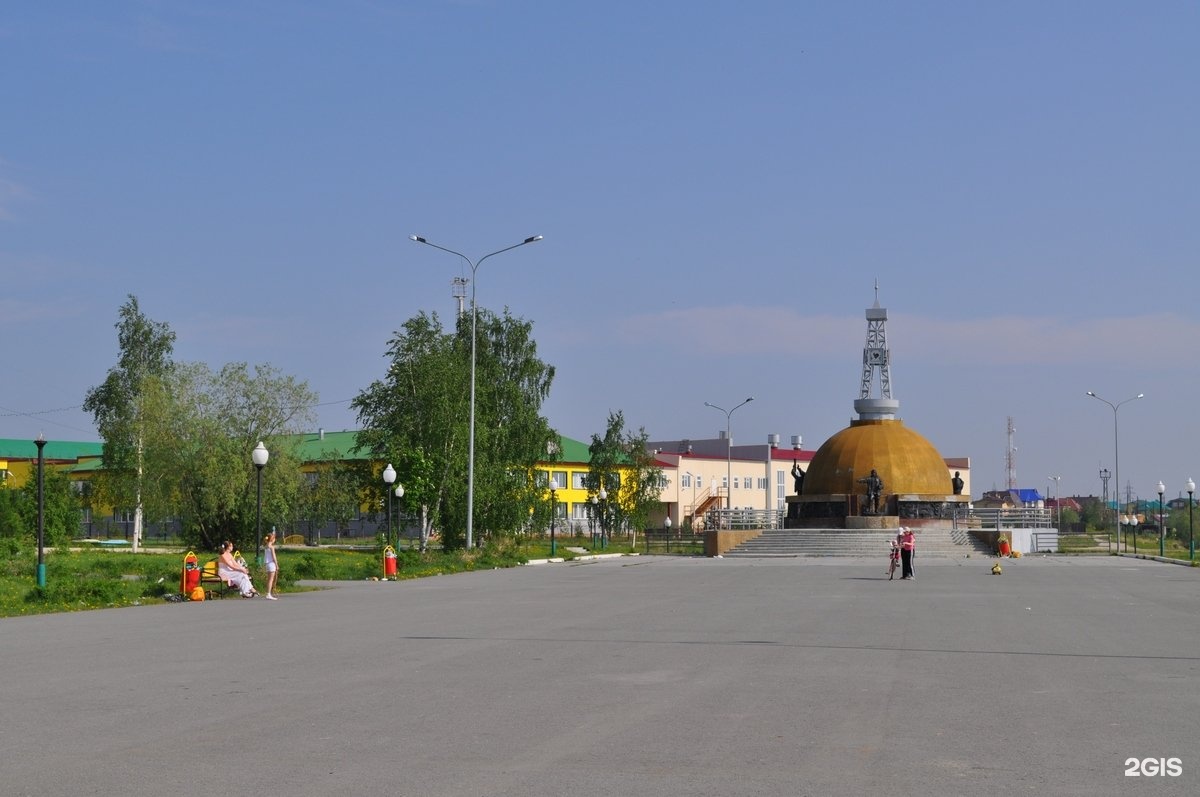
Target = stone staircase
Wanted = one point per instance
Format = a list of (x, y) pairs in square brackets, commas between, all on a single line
[(931, 542)]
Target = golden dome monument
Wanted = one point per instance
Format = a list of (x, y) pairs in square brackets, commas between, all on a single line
[(877, 473)]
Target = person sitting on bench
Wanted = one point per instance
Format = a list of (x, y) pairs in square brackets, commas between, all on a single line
[(234, 573)]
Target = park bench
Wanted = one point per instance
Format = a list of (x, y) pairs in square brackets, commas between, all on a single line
[(210, 579)]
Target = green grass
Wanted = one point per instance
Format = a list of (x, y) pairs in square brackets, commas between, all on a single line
[(96, 579)]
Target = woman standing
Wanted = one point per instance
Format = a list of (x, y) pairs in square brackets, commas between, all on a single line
[(908, 546), (272, 563)]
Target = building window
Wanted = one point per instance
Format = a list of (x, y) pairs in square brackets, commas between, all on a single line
[(685, 480), (560, 477), (577, 478)]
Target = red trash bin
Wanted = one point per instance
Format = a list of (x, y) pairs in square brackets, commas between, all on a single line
[(389, 561), (189, 579)]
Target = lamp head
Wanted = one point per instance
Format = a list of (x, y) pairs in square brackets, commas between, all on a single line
[(1191, 486), (418, 239), (532, 239), (1161, 488), (389, 474), (259, 455)]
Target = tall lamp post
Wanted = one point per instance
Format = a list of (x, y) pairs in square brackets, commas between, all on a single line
[(728, 448), (1104, 474), (399, 495), (553, 513), (1191, 488), (603, 518), (474, 316), (389, 478), (259, 457), (1162, 535), (1057, 505), (1116, 447), (595, 512), (41, 512)]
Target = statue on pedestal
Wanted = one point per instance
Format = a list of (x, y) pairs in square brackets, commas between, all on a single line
[(874, 488)]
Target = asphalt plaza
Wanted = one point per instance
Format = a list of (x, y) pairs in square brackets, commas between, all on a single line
[(637, 676)]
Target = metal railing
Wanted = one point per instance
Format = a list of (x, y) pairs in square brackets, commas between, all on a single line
[(1015, 518), (744, 519)]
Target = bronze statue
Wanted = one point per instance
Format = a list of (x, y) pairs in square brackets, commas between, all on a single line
[(874, 488), (957, 483), (798, 475)]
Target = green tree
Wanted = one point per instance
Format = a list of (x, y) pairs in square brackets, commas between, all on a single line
[(201, 427), (417, 417), (621, 465), (334, 493), (118, 406), (11, 524), (60, 509)]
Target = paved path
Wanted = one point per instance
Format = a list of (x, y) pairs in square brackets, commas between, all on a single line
[(639, 676)]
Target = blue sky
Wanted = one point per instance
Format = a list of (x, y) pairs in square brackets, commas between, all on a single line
[(719, 185)]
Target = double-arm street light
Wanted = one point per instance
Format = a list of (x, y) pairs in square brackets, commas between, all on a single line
[(1116, 441), (1057, 492), (474, 264), (389, 478), (728, 448), (259, 457)]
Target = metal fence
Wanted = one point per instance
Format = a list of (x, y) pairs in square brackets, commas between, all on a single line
[(1016, 518), (673, 541), (743, 519)]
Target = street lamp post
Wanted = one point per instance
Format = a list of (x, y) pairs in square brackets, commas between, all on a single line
[(41, 511), (389, 478), (603, 518), (1162, 532), (728, 449), (474, 316), (399, 495), (553, 512), (1191, 488), (1057, 505), (1116, 446), (259, 457), (1104, 474), (667, 528), (592, 524)]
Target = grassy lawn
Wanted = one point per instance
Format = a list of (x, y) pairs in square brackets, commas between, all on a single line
[(97, 578)]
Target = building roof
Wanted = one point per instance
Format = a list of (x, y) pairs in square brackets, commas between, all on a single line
[(54, 449)]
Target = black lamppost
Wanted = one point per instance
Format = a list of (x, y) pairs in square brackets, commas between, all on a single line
[(553, 513), (1162, 536), (1191, 488), (259, 457), (1104, 474), (389, 478), (474, 264), (41, 512), (603, 518), (592, 522)]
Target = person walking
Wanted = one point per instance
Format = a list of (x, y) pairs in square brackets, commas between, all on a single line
[(271, 561), (908, 547)]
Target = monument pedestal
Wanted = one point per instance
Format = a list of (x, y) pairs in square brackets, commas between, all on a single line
[(872, 522)]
